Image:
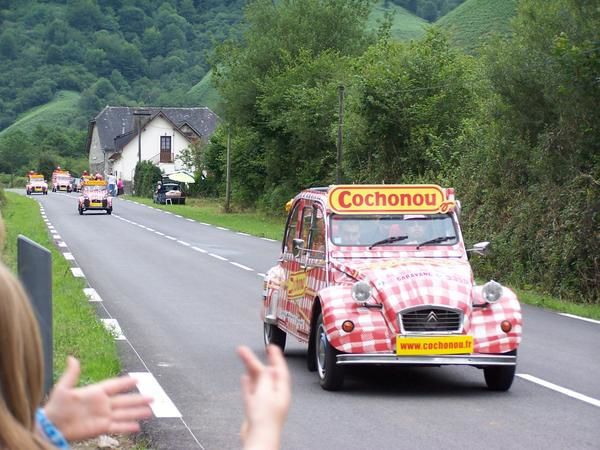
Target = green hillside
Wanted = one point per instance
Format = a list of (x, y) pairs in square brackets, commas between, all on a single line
[(470, 23), (405, 24), (205, 94), (60, 112)]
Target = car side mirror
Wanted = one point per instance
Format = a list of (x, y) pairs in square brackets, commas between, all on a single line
[(297, 247), (481, 248)]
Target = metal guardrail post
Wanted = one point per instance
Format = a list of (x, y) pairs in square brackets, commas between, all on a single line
[(34, 264)]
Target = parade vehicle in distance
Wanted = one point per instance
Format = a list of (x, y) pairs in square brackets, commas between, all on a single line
[(36, 184), (379, 275), (61, 180), (94, 197)]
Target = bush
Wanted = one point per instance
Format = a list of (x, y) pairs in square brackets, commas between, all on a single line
[(8, 180), (145, 178)]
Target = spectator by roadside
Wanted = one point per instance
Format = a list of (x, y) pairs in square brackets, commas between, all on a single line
[(112, 184), (71, 413), (120, 186), (266, 390)]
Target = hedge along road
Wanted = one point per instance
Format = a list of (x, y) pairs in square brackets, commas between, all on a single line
[(186, 294)]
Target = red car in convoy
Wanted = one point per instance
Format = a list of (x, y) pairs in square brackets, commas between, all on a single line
[(380, 275), (36, 184), (94, 197)]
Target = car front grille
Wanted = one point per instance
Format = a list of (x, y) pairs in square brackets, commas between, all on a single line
[(431, 320)]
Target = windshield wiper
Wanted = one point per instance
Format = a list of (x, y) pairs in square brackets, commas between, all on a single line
[(436, 240), (388, 240)]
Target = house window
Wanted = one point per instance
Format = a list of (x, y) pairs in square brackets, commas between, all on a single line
[(165, 149)]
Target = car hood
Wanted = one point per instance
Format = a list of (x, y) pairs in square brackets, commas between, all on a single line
[(96, 196), (399, 284)]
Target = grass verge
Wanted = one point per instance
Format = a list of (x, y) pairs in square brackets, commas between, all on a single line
[(211, 211), (76, 329)]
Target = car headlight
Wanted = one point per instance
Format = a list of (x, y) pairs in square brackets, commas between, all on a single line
[(492, 291), (361, 291)]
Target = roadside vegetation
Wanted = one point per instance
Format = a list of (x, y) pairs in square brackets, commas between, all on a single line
[(76, 328)]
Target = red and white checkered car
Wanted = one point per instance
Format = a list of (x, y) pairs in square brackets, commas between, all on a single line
[(379, 274)]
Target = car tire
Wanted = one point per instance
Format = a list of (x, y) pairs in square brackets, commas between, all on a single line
[(28, 193), (80, 211), (109, 211), (500, 378), (331, 376), (272, 334)]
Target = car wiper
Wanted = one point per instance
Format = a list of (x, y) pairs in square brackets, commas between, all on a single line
[(388, 240), (436, 240)]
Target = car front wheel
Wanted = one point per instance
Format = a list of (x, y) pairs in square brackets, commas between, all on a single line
[(273, 335), (500, 378), (331, 376)]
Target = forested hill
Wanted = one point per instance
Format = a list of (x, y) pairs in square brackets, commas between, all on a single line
[(110, 51)]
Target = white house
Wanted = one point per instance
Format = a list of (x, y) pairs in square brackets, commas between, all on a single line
[(115, 144)]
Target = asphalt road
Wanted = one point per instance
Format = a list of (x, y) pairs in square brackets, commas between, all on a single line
[(186, 294)]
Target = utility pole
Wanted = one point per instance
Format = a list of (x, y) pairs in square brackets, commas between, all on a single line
[(228, 181), (138, 119), (338, 169)]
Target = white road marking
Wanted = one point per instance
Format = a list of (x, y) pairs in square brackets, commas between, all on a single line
[(562, 390), (62, 244), (201, 250), (56, 236), (171, 237), (222, 228), (113, 326), (177, 215), (204, 223), (77, 272), (241, 266), (69, 256), (572, 316), (162, 406), (217, 256), (242, 234), (183, 243), (267, 239), (150, 229), (159, 233), (92, 295), (260, 274), (167, 212), (190, 220)]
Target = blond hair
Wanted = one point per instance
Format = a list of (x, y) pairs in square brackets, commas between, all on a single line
[(21, 367)]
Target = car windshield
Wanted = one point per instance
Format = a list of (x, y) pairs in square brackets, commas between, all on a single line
[(393, 230), (171, 187), (63, 179), (94, 188)]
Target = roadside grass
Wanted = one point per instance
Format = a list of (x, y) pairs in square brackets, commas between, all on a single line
[(76, 329), (211, 211)]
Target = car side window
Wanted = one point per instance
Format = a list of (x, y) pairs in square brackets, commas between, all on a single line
[(307, 214), (317, 239), (290, 232)]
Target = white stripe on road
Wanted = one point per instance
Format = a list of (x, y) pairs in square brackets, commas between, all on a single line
[(572, 316), (56, 236), (183, 243), (201, 250), (562, 390), (190, 220), (92, 295), (204, 223), (223, 228), (113, 326), (177, 215), (242, 234), (77, 272), (241, 266), (217, 256), (150, 229), (62, 244), (69, 256), (171, 237), (267, 239), (260, 274), (162, 406), (159, 233)]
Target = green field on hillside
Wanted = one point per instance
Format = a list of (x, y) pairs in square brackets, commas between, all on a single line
[(205, 94), (475, 20), (60, 112), (405, 25)]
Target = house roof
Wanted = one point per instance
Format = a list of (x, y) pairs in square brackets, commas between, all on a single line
[(116, 125)]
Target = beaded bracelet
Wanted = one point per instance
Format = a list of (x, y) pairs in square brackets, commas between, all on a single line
[(50, 431)]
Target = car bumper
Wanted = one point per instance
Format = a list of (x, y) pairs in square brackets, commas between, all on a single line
[(476, 359)]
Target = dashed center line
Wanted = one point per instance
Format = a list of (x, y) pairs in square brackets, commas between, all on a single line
[(218, 257)]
